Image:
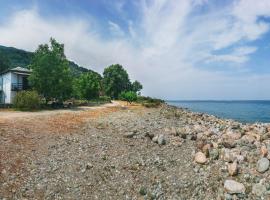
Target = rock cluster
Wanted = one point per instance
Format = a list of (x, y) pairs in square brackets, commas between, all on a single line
[(238, 149)]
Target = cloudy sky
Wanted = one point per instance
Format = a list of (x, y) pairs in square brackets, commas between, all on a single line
[(178, 49)]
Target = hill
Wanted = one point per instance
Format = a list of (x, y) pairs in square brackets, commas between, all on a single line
[(18, 57)]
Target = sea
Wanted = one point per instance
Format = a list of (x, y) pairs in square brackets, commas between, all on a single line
[(243, 111)]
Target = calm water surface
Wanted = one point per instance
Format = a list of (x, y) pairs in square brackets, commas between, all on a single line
[(243, 111)]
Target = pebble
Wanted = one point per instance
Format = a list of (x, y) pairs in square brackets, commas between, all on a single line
[(129, 135), (161, 140), (263, 151), (258, 189), (155, 139), (214, 154), (263, 165), (200, 158), (234, 187), (206, 149), (233, 168)]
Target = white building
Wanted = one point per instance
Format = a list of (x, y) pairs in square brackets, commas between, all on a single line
[(12, 81)]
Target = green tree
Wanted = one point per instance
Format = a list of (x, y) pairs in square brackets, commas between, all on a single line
[(88, 85), (115, 80), (4, 62), (136, 86), (129, 96), (51, 75)]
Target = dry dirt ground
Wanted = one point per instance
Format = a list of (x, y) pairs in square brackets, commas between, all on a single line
[(26, 136), (88, 154)]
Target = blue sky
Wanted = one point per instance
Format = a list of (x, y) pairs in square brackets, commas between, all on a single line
[(181, 49)]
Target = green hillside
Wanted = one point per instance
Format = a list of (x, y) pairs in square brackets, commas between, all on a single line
[(17, 57)]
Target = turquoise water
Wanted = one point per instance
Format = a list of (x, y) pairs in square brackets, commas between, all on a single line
[(243, 111)]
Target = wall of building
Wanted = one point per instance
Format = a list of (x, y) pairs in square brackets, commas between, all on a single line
[(7, 78)]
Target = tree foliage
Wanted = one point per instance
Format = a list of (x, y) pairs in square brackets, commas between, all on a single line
[(129, 96), (88, 85), (4, 62), (51, 75), (115, 80), (136, 86)]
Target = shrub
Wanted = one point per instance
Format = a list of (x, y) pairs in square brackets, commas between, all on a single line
[(129, 96), (27, 100), (149, 102), (104, 99)]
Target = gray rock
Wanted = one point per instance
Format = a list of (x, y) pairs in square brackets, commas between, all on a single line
[(233, 187), (129, 135), (263, 165), (155, 139), (161, 140), (258, 189), (214, 154), (228, 197)]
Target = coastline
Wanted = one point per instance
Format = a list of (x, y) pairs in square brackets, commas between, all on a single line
[(133, 152), (248, 111)]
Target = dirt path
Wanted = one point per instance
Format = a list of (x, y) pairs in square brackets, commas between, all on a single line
[(17, 114)]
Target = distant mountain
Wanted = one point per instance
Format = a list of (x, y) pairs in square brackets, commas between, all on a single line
[(22, 58), (16, 57)]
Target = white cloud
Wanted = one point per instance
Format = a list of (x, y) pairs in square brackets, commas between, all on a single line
[(164, 49), (238, 55), (115, 29)]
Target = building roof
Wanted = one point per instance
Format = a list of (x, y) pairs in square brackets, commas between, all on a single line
[(18, 70)]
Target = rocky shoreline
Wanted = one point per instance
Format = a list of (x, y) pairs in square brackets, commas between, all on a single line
[(138, 153), (242, 151)]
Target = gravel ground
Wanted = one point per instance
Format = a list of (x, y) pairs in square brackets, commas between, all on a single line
[(116, 153)]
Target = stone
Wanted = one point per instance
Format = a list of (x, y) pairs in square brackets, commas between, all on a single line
[(200, 144), (161, 140), (192, 137), (228, 196), (264, 151), (263, 165), (233, 168), (234, 187), (129, 135), (258, 189), (229, 143), (206, 149), (214, 154), (200, 158), (155, 139), (234, 135), (89, 166), (248, 139)]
